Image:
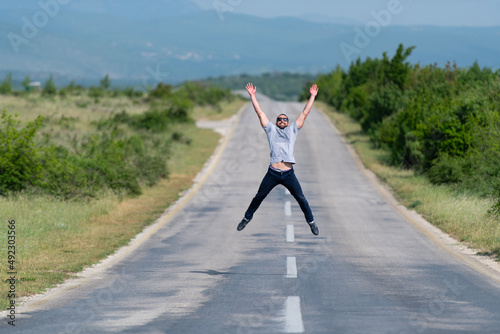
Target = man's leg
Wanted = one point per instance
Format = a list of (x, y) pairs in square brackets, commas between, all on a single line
[(268, 183), (292, 184)]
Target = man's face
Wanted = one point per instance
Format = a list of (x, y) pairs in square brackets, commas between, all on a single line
[(282, 121)]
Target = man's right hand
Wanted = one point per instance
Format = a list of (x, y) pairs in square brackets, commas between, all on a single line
[(262, 117), (314, 90), (251, 89)]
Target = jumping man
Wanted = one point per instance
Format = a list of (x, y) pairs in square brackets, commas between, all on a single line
[(281, 139)]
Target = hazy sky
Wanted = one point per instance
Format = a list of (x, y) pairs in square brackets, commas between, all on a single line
[(410, 12)]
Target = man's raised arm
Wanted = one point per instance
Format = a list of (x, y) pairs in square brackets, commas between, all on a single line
[(303, 115), (262, 117)]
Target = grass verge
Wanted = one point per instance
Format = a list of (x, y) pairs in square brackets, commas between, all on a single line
[(464, 216), (223, 111)]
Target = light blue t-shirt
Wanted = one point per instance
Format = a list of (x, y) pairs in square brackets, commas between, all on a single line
[(281, 142)]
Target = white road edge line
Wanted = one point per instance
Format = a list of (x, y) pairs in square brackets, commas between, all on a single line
[(291, 267), (290, 234), (288, 208), (293, 315)]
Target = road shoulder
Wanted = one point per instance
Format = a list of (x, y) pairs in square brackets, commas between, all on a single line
[(486, 265)]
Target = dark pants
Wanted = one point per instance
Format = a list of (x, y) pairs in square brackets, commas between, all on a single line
[(287, 179)]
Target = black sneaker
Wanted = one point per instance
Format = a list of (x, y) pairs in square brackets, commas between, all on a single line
[(314, 228), (243, 223)]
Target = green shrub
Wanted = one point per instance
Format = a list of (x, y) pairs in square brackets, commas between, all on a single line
[(100, 162), (356, 101), (20, 164), (446, 169), (383, 102), (179, 110), (159, 116), (155, 120), (123, 154), (6, 84), (161, 91), (330, 87), (107, 163), (150, 168), (443, 122), (96, 93), (73, 89), (132, 93), (203, 94), (64, 176)]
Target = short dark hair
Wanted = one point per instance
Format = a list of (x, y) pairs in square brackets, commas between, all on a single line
[(281, 115)]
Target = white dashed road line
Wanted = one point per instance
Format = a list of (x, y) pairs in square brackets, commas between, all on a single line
[(290, 234), (288, 208), (293, 315), (291, 267)]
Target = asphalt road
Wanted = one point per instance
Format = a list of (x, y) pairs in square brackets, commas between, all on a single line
[(369, 270)]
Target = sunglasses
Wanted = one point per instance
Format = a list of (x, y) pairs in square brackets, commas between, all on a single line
[(284, 119)]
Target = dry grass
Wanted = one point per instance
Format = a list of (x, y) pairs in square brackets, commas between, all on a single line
[(224, 111), (83, 108)]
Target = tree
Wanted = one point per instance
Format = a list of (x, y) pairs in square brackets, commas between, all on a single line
[(6, 85), (105, 83), (20, 165), (26, 83), (49, 87), (397, 68)]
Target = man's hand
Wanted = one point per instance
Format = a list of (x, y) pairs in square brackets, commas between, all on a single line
[(251, 89), (262, 117), (314, 90), (303, 115)]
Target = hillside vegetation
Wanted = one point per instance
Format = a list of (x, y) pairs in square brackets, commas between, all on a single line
[(282, 86), (83, 171), (442, 124), (119, 152)]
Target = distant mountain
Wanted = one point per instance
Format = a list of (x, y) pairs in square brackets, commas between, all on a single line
[(133, 9), (143, 42), (277, 85), (330, 19), (128, 9)]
